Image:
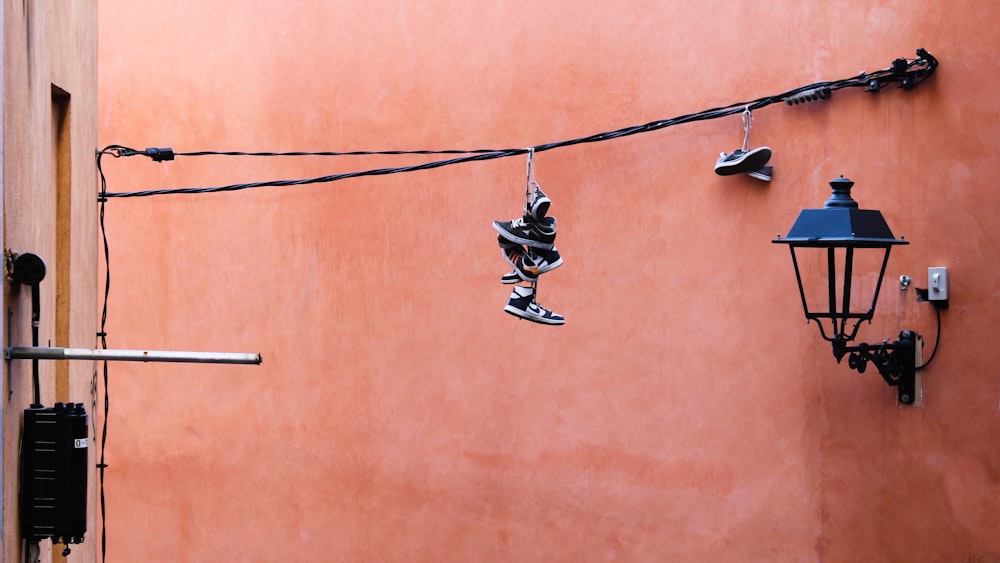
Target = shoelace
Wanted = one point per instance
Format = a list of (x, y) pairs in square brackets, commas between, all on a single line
[(747, 118)]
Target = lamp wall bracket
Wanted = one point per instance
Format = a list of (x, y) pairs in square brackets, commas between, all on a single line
[(895, 362)]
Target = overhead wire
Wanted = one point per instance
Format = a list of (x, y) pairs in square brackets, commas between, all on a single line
[(908, 73)]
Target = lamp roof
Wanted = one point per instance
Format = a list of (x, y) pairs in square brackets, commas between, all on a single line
[(840, 224)]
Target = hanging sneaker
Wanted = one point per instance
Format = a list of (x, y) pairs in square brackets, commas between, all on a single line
[(524, 230), (764, 173), (539, 204), (522, 304), (740, 161), (524, 265), (546, 260), (510, 277), (505, 244)]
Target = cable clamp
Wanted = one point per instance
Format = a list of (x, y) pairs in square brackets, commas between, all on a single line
[(159, 154)]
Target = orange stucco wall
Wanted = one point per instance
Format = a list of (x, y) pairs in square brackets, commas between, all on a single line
[(683, 413)]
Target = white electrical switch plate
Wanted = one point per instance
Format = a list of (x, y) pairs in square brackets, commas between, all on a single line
[(937, 283)]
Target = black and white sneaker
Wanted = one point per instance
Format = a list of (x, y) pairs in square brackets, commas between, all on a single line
[(524, 265), (764, 173), (524, 230), (522, 304), (510, 277), (539, 204), (546, 260), (740, 161)]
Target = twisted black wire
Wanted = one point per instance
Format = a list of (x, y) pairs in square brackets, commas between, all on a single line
[(907, 73), (103, 335)]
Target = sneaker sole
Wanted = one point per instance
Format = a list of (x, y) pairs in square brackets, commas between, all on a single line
[(520, 240), (759, 176), (750, 163), (524, 315)]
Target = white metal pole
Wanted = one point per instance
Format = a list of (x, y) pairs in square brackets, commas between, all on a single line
[(50, 353)]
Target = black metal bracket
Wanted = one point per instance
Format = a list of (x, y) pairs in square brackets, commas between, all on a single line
[(907, 73), (895, 362)]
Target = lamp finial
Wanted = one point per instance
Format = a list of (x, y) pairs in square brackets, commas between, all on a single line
[(841, 194)]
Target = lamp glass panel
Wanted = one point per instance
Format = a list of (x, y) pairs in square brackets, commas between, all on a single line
[(814, 270)]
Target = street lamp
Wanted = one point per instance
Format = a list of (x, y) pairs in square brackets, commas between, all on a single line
[(850, 237)]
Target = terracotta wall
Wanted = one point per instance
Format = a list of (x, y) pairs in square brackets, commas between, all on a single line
[(685, 412), (49, 209)]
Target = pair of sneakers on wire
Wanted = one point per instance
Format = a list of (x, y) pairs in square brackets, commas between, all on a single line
[(528, 245)]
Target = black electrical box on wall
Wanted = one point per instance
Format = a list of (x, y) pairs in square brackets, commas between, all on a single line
[(54, 473)]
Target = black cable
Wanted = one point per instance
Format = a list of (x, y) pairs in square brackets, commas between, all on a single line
[(103, 335), (322, 179), (937, 340), (907, 73)]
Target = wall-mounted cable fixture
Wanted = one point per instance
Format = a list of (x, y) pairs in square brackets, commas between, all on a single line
[(104, 354), (821, 93), (906, 73)]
